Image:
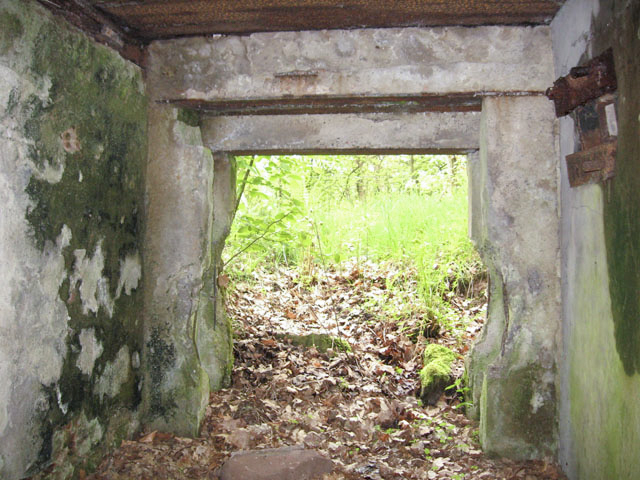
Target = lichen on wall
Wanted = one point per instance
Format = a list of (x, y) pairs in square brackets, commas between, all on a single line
[(72, 150)]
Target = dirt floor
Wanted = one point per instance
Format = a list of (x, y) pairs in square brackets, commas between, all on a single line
[(355, 402)]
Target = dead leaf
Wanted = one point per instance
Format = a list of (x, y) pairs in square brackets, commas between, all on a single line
[(223, 280), (149, 437)]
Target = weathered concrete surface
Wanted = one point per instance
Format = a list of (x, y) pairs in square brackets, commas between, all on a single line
[(512, 367), (72, 147), (185, 353), (353, 62), (288, 463), (434, 131), (600, 384), (179, 213), (214, 337), (476, 178)]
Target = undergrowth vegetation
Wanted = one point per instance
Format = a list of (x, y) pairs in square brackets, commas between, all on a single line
[(316, 212)]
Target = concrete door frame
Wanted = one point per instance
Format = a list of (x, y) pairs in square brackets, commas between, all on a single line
[(513, 194)]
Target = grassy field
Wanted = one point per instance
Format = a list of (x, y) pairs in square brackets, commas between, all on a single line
[(325, 215)]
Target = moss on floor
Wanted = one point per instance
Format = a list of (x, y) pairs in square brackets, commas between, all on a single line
[(321, 341), (435, 376)]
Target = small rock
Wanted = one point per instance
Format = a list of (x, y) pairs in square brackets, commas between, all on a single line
[(289, 463)]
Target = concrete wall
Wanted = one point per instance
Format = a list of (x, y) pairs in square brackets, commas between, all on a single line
[(353, 62), (514, 365), (72, 148), (187, 336), (600, 377)]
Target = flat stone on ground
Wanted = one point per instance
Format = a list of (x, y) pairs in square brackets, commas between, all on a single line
[(288, 463)]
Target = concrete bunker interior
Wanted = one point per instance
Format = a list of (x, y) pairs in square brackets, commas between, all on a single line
[(114, 189)]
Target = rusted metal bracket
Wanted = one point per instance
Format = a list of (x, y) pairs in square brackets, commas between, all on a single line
[(597, 121), (583, 84), (594, 165), (598, 128), (586, 94), (101, 28)]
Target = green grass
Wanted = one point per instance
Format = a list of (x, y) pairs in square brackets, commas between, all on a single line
[(400, 227), (425, 231)]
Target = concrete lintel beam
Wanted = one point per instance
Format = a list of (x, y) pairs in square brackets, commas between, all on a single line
[(326, 104), (453, 131), (367, 62)]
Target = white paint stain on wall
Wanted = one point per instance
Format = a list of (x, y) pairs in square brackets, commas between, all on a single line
[(115, 374), (91, 349), (93, 287), (130, 273)]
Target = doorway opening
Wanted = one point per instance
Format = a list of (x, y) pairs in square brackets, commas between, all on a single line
[(407, 213), (355, 294)]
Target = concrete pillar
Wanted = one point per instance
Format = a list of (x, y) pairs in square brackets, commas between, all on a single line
[(185, 352), (512, 368), (214, 336)]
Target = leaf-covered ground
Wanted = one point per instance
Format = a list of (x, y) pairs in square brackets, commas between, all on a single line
[(356, 406)]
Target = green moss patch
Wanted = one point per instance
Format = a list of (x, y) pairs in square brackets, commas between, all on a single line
[(435, 376), (622, 208), (10, 30), (190, 117), (321, 341), (97, 97)]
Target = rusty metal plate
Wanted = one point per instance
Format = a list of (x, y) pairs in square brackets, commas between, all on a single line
[(594, 165), (597, 121), (584, 83)]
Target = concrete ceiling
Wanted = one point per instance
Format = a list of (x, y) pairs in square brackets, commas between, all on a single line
[(130, 24)]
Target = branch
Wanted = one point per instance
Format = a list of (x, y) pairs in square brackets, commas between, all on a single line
[(242, 187), (259, 237), (346, 185)]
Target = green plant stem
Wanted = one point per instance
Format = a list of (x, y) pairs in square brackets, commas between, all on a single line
[(259, 237), (242, 187)]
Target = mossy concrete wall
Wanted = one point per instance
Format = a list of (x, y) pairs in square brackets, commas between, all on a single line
[(600, 406), (72, 150)]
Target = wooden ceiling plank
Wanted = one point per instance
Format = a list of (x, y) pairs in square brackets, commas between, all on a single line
[(271, 15), (127, 24)]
